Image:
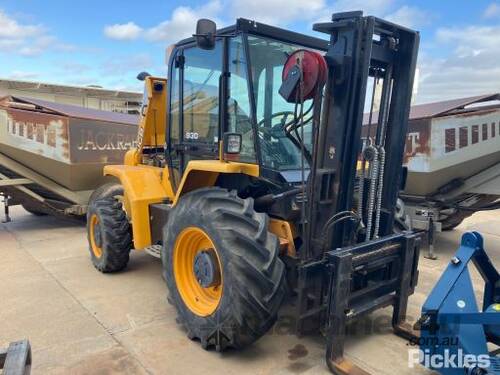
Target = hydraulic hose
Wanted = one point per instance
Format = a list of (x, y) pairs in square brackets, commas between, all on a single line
[(269, 199)]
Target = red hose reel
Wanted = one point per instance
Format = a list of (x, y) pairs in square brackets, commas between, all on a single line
[(314, 71)]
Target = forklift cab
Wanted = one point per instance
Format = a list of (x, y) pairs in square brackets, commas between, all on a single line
[(233, 88)]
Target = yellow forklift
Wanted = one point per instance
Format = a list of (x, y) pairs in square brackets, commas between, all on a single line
[(255, 180)]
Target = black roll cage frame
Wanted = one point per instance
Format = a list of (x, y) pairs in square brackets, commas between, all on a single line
[(244, 28)]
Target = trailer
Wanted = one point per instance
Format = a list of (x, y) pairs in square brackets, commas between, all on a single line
[(52, 154), (452, 156)]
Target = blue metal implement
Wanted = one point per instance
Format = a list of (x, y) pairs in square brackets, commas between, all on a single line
[(454, 332)]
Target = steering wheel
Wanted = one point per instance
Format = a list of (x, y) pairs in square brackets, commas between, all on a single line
[(278, 127)]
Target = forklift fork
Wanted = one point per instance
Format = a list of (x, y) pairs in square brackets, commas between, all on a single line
[(397, 257)]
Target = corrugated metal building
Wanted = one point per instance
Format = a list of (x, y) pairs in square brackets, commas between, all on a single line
[(451, 139), (82, 96)]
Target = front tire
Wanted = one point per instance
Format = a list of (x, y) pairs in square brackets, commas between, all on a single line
[(243, 300), (109, 235)]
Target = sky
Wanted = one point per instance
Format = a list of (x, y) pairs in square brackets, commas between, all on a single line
[(107, 43)]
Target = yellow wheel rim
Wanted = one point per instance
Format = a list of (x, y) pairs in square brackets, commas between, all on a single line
[(201, 301), (94, 229)]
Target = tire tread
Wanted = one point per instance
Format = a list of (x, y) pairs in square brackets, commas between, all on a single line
[(117, 237), (257, 274)]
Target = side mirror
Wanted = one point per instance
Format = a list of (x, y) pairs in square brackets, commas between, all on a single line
[(142, 76), (205, 34)]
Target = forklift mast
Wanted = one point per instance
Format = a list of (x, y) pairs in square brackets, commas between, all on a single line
[(362, 49), (354, 263)]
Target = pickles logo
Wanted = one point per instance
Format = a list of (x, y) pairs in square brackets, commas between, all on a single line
[(104, 141), (448, 359)]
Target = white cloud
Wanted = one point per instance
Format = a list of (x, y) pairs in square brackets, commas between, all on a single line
[(369, 7), (127, 64), (180, 25), (26, 39), (183, 21), (10, 44), (470, 40), (126, 31), (283, 12), (470, 69), (492, 11), (23, 75), (73, 67), (37, 45), (277, 12), (467, 63), (409, 16), (11, 29), (129, 86)]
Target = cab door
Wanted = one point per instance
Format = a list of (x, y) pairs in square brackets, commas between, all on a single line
[(195, 106)]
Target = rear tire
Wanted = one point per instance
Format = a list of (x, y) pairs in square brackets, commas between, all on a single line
[(109, 235), (108, 190), (33, 209), (253, 282), (451, 223)]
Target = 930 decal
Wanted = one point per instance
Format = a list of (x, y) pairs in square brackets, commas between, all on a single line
[(191, 135)]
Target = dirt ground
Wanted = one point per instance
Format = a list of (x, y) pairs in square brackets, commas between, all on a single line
[(82, 322)]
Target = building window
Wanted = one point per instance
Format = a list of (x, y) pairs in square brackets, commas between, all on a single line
[(463, 135), (40, 133), (29, 131), (450, 142), (51, 136), (475, 134), (493, 135), (10, 125), (21, 129), (485, 132)]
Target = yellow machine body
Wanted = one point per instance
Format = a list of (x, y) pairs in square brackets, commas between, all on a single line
[(152, 127), (144, 184)]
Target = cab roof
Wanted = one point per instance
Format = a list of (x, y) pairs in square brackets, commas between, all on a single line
[(260, 29)]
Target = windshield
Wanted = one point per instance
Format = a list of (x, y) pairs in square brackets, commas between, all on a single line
[(273, 113)]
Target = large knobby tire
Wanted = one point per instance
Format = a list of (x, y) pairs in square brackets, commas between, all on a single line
[(34, 209), (109, 235), (244, 305), (452, 221), (108, 190)]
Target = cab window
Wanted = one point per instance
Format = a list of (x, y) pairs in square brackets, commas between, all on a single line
[(274, 114), (202, 71), (239, 110)]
